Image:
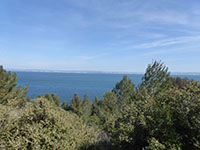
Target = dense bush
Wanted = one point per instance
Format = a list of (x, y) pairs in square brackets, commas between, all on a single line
[(41, 125)]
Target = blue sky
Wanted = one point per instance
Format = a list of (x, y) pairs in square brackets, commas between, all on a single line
[(100, 35)]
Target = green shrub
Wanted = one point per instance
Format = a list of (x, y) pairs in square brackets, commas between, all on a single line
[(41, 125)]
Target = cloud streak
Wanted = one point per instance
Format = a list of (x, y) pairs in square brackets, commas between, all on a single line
[(166, 42)]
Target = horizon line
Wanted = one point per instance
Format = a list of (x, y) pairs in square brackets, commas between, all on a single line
[(93, 71)]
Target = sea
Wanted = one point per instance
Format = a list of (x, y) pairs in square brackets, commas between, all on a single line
[(65, 85)]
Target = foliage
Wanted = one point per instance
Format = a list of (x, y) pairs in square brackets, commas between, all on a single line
[(65, 106), (8, 87), (107, 110), (76, 104), (180, 83), (40, 125), (124, 90), (166, 119), (86, 106), (156, 78), (154, 145), (53, 98), (56, 99)]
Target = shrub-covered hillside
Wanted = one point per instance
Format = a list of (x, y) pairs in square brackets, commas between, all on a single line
[(161, 113)]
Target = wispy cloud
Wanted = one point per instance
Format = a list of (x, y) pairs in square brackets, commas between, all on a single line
[(166, 17), (135, 11), (91, 57), (166, 42), (176, 50)]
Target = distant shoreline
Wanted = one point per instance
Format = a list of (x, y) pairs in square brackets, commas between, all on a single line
[(98, 72), (78, 72)]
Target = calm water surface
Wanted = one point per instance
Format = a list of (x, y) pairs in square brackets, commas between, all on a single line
[(66, 84)]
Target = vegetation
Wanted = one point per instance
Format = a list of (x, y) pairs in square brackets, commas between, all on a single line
[(41, 125), (8, 87), (162, 113)]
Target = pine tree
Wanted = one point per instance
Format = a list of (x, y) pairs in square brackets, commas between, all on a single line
[(76, 103), (49, 97), (86, 106), (56, 99), (65, 106), (124, 90), (96, 100), (8, 87), (156, 78), (53, 98)]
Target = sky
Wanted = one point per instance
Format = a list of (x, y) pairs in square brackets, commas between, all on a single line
[(100, 35)]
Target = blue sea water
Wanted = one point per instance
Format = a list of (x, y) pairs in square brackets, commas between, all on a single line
[(66, 84)]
